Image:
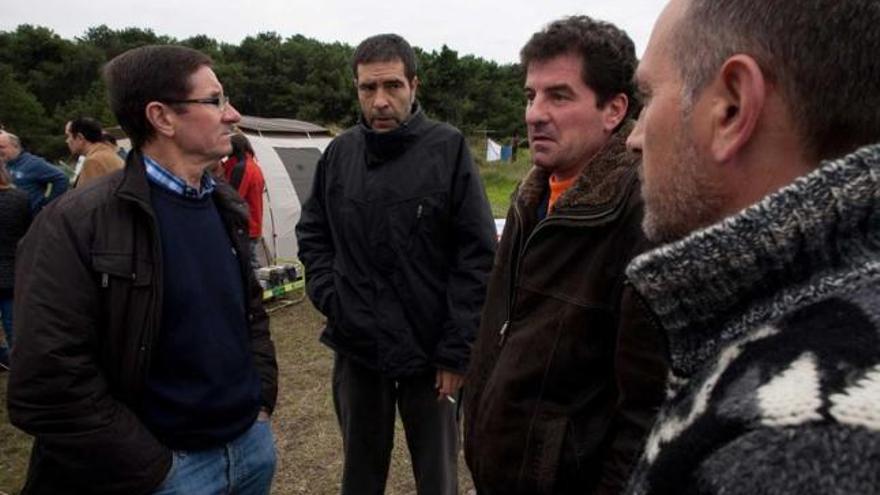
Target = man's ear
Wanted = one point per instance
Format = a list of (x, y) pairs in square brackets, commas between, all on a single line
[(614, 111), (414, 84), (737, 97), (161, 117)]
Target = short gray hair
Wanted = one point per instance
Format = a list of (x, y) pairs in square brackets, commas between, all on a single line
[(822, 54), (12, 138)]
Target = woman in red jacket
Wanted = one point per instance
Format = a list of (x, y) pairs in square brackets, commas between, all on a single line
[(243, 172)]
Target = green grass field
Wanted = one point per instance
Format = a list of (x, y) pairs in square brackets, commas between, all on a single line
[(500, 179)]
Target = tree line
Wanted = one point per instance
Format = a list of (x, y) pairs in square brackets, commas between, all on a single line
[(45, 80)]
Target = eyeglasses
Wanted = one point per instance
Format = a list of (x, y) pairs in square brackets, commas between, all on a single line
[(221, 102)]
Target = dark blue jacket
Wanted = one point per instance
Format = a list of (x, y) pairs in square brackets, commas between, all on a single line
[(33, 175)]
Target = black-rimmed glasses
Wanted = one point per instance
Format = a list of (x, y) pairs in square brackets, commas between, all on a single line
[(221, 102)]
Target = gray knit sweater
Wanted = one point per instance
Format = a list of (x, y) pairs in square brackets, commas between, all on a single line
[(773, 323)]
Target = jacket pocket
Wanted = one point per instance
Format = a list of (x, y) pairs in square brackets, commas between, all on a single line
[(542, 458), (417, 221), (119, 267)]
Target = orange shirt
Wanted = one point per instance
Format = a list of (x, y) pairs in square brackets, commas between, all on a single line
[(557, 187)]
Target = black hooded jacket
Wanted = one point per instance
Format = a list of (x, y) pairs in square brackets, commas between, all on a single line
[(398, 239)]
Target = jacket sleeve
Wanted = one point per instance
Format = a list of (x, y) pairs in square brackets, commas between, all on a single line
[(262, 347), (254, 198), (315, 239), (473, 244), (49, 174), (641, 368), (57, 391)]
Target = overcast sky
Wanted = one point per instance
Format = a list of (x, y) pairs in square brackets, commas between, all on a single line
[(492, 29)]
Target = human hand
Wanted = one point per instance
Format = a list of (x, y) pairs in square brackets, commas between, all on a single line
[(447, 384)]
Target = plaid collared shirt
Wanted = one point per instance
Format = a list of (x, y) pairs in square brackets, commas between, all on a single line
[(159, 175)]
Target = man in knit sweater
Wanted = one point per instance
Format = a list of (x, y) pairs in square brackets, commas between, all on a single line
[(760, 139), (143, 362)]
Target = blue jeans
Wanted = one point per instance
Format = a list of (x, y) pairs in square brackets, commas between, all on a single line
[(244, 466), (6, 321)]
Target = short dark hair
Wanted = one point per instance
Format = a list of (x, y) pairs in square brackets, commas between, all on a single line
[(822, 54), (607, 52), (88, 127), (149, 73), (385, 48), (241, 145)]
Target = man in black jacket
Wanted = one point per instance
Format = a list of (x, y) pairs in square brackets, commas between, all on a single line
[(567, 369), (143, 362), (397, 239)]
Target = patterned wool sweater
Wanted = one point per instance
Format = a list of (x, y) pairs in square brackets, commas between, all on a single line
[(773, 323)]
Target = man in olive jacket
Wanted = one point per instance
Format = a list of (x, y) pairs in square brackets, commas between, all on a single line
[(397, 239), (143, 362), (567, 369)]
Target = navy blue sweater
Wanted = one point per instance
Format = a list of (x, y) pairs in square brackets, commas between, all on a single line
[(203, 389)]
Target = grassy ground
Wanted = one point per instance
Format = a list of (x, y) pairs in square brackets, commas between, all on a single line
[(500, 179)]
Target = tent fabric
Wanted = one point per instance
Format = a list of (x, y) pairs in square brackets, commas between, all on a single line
[(257, 125), (493, 151), (288, 166)]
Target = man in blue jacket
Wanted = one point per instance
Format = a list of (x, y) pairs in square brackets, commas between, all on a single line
[(398, 240), (30, 173)]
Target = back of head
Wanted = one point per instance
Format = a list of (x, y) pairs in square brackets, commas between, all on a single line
[(608, 55), (385, 48), (145, 74), (241, 145), (89, 128), (821, 54)]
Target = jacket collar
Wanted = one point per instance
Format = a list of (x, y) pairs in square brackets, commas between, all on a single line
[(135, 185), (601, 185), (383, 146), (795, 246)]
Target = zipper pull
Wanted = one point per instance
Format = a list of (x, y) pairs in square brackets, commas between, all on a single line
[(419, 211), (503, 333), (105, 280)]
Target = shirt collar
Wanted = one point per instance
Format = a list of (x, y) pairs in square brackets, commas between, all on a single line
[(159, 175)]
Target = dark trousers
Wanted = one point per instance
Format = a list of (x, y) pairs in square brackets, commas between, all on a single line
[(365, 406)]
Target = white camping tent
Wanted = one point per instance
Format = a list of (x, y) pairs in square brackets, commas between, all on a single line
[(288, 151)]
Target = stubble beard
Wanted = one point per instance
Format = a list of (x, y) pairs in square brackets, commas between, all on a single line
[(685, 201)]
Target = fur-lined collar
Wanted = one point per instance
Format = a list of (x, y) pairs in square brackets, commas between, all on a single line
[(601, 182)]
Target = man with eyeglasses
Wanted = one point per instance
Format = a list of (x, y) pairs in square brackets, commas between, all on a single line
[(143, 361)]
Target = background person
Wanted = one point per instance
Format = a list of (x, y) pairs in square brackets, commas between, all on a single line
[(85, 137), (42, 181), (242, 171), (15, 218)]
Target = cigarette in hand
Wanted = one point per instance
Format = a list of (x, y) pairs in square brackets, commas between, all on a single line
[(450, 399)]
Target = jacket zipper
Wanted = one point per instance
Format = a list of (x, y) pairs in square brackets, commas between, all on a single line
[(515, 268), (149, 335)]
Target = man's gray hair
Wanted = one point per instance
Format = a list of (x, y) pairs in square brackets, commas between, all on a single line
[(12, 138), (822, 54)]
